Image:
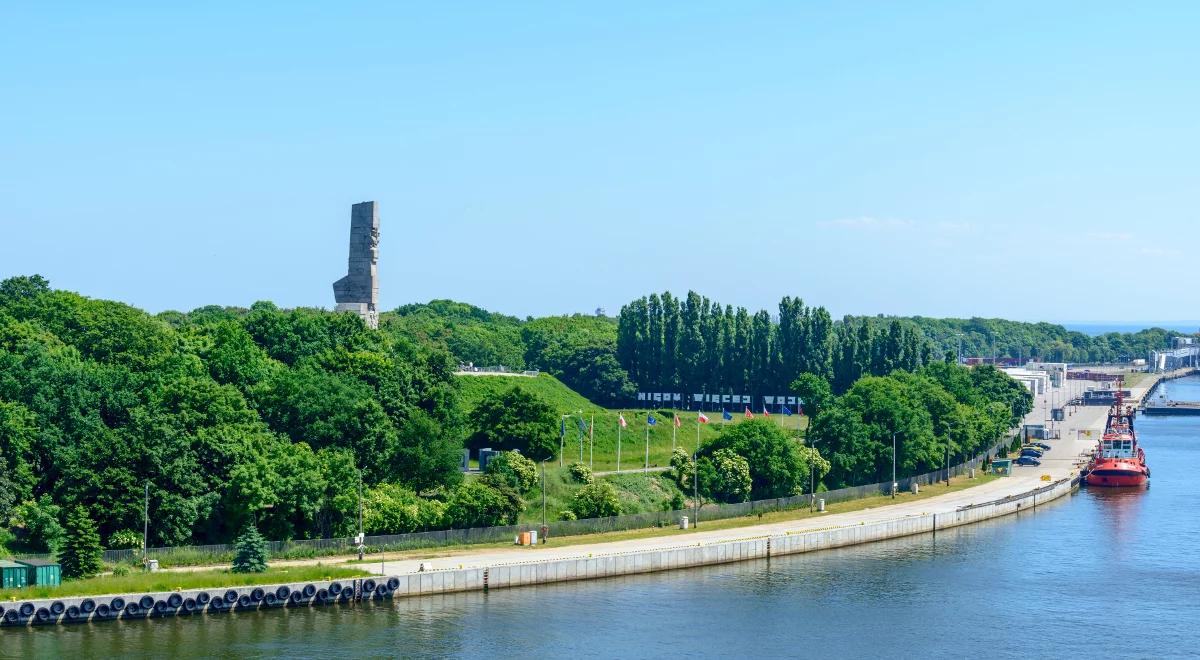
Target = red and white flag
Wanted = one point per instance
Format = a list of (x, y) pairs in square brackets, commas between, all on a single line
[(678, 422), (621, 420), (766, 413), (703, 419), (749, 415)]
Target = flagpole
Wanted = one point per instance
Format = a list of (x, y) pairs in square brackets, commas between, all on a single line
[(618, 444), (697, 433), (592, 443), (647, 466), (673, 430)]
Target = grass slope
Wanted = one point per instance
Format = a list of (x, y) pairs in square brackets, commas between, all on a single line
[(637, 492), (633, 439)]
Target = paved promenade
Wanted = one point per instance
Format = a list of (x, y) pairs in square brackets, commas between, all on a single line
[(1062, 461)]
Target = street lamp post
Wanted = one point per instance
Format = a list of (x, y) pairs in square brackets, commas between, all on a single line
[(146, 528), (947, 461), (695, 488), (360, 517), (893, 465)]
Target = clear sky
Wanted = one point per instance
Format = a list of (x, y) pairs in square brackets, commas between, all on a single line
[(1026, 160)]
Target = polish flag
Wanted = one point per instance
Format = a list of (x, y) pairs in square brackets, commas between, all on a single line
[(678, 422), (703, 419), (621, 420), (766, 413), (749, 415)]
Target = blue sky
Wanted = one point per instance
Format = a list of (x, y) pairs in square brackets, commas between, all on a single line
[(1026, 160)]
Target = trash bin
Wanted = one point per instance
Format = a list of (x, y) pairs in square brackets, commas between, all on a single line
[(916, 488), (821, 505), (152, 565), (684, 522)]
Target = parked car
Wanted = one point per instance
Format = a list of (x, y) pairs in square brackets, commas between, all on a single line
[(1031, 451), (1040, 445), (1027, 460)]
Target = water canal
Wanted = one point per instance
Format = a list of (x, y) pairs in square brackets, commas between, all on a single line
[(1102, 573)]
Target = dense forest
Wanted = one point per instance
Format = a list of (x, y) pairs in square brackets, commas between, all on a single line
[(1034, 341)]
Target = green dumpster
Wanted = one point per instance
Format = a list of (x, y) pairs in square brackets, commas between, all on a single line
[(13, 575), (41, 572)]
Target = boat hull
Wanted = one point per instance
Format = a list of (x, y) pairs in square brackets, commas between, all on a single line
[(1117, 476)]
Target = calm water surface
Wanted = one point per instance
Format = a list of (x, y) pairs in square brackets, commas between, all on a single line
[(1102, 573)]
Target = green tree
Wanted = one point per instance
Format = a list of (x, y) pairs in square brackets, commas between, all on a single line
[(427, 456), (596, 500), (81, 552), (515, 419), (731, 476), (250, 552), (479, 504), (513, 470), (814, 391), (37, 524), (776, 467)]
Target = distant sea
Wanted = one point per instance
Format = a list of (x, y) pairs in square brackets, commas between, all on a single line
[(1094, 329)]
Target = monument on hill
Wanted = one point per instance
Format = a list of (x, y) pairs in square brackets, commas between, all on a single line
[(358, 291)]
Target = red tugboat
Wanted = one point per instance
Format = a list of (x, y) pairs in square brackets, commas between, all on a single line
[(1118, 460)]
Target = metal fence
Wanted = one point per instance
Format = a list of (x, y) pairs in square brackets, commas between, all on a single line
[(433, 539)]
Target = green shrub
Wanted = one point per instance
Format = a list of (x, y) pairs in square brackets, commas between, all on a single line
[(394, 509), (38, 523), (250, 553), (581, 473), (121, 570), (596, 500), (567, 514), (480, 504), (681, 467), (514, 470), (732, 482), (125, 539), (81, 552), (675, 502)]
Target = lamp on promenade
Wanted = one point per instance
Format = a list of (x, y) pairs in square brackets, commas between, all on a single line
[(361, 537), (893, 465)]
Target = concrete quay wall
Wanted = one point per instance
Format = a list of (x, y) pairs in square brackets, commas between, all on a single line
[(220, 600), (588, 567)]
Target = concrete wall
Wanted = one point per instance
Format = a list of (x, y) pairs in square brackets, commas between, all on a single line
[(580, 568), (685, 556)]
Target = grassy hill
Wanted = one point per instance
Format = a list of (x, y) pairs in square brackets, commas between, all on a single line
[(632, 439)]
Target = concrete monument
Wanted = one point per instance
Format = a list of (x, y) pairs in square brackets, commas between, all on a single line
[(358, 291)]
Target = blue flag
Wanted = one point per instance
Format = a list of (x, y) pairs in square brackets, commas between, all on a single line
[(562, 427), (787, 411), (725, 415), (650, 420)]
